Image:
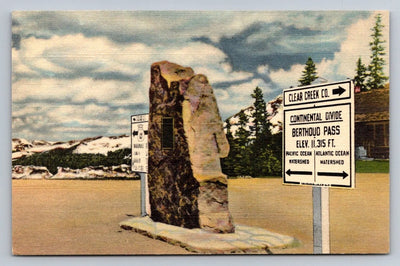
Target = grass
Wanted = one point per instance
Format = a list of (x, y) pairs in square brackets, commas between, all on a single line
[(376, 166)]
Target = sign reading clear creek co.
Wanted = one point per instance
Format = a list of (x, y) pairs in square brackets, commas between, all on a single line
[(139, 136), (319, 135), (318, 93)]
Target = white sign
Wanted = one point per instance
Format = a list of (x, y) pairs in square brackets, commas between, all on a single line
[(139, 137), (321, 93), (319, 136)]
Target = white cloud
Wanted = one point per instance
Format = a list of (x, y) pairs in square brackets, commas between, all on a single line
[(32, 108), (18, 66), (77, 53), (217, 74), (113, 92), (40, 89), (238, 96), (221, 95), (356, 45), (61, 122), (31, 54), (54, 79), (64, 104), (195, 53), (287, 78), (343, 64), (17, 122)]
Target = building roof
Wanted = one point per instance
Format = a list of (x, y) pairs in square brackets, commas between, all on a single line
[(372, 106)]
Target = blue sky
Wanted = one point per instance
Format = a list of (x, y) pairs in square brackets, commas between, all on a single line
[(82, 74)]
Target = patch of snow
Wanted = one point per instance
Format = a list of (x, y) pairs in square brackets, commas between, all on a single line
[(103, 145), (274, 109), (96, 172), (30, 172)]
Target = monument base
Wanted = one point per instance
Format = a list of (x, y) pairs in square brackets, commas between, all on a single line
[(246, 239)]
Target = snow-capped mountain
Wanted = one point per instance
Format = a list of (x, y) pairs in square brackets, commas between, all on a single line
[(274, 109), (22, 147), (103, 145), (275, 112)]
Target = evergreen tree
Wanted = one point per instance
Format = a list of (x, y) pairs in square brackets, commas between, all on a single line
[(275, 162), (262, 134), (309, 73), (259, 156), (227, 164), (361, 74), (259, 115), (66, 158), (241, 147), (242, 134), (229, 135), (376, 76)]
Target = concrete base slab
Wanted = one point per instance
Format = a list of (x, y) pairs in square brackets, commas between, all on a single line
[(246, 239)]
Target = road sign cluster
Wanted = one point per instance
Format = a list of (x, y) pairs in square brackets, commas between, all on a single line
[(319, 135), (139, 136)]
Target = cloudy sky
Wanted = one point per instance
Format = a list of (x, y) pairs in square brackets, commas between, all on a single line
[(82, 74)]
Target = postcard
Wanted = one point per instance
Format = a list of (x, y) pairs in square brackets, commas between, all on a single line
[(200, 132)]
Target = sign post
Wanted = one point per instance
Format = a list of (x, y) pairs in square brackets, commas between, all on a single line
[(318, 146), (321, 236), (139, 157)]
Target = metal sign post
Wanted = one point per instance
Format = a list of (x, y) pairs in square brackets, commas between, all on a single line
[(321, 234), (139, 157), (318, 146), (144, 195)]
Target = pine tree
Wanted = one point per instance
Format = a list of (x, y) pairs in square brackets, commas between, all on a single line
[(376, 76), (229, 135), (309, 73), (259, 115), (227, 163), (262, 133), (361, 74), (241, 146), (259, 156), (242, 134)]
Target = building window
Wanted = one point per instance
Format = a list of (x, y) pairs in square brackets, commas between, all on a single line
[(167, 131)]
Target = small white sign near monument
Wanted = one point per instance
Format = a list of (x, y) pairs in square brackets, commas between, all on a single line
[(319, 135), (139, 136), (139, 155)]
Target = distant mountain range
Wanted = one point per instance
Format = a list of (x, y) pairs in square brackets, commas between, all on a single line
[(22, 147), (102, 145)]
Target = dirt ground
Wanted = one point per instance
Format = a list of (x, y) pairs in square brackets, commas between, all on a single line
[(81, 217)]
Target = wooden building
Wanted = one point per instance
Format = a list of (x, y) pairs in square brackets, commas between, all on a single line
[(372, 122)]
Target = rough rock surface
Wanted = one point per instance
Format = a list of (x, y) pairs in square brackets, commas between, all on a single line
[(186, 185), (30, 172), (204, 130)]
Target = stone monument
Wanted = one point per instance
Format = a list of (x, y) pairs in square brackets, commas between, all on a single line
[(186, 141)]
